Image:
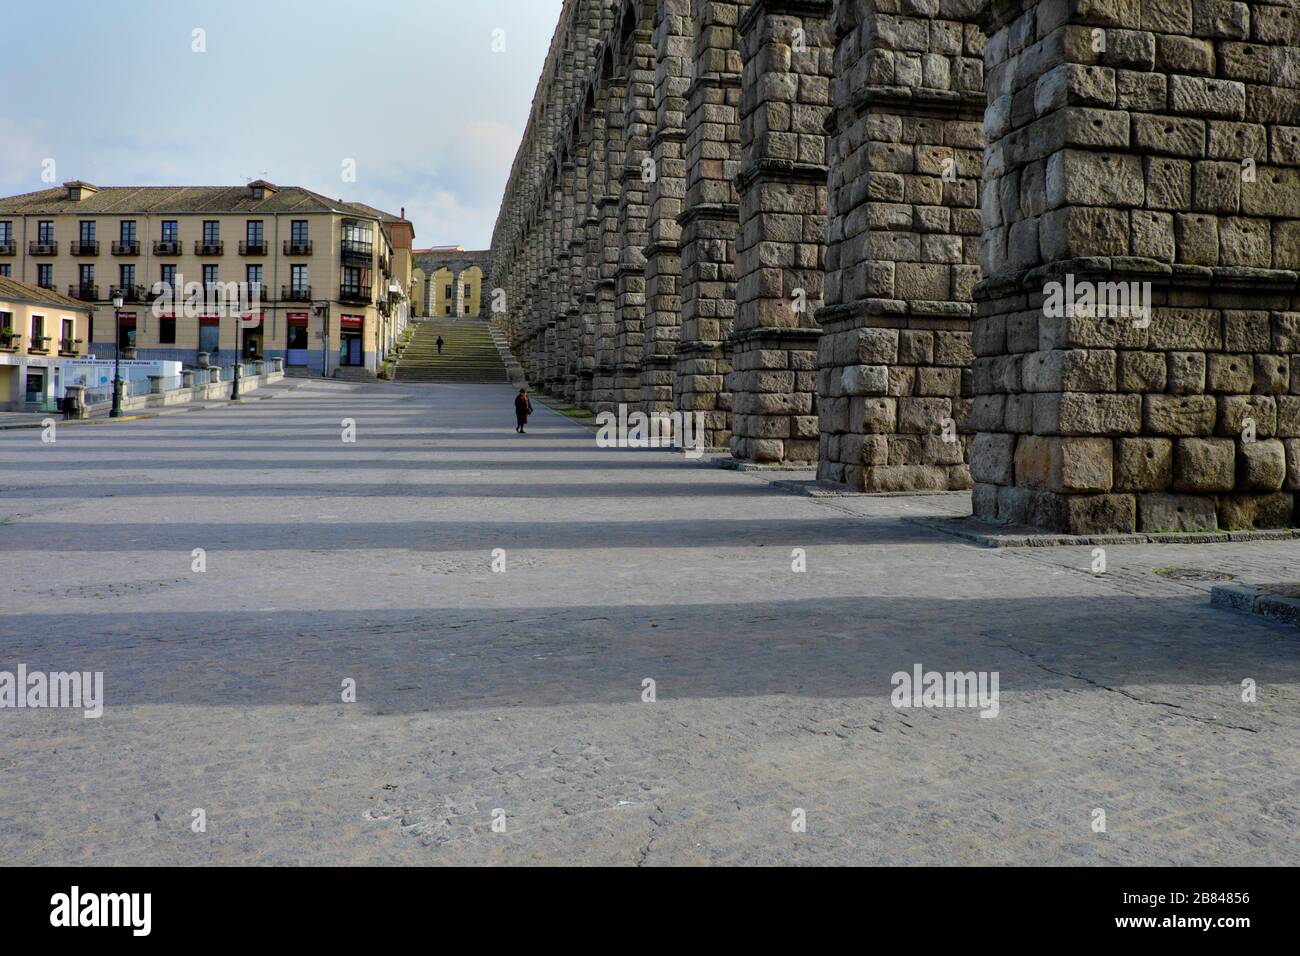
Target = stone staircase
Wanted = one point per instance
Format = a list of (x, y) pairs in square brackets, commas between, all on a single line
[(470, 353), (351, 373)]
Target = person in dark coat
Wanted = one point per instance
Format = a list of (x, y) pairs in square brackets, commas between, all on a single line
[(523, 408), (440, 345)]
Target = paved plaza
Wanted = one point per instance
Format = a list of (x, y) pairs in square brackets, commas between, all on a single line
[(518, 696)]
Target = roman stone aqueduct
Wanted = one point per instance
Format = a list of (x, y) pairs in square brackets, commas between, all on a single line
[(832, 225)]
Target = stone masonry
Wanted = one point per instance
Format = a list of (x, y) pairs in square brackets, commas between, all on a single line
[(1134, 147), (785, 100), (663, 270), (777, 208), (710, 218), (903, 254)]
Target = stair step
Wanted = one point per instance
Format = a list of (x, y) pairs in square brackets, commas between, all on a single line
[(469, 354)]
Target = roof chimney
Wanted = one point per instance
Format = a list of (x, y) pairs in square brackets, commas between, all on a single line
[(403, 216)]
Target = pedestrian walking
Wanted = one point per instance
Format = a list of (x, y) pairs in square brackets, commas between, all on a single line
[(523, 408), (440, 345)]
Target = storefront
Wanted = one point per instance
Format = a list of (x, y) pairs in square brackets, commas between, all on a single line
[(297, 345), (351, 335), (126, 330), (38, 389), (209, 333), (251, 329)]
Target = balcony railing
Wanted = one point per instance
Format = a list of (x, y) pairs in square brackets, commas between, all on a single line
[(10, 340), (354, 293), (249, 248), (38, 247), (7, 248), (355, 248), (130, 293), (127, 247), (85, 291), (85, 248), (45, 283), (39, 343), (215, 248), (295, 293), (69, 346), (166, 247), (293, 248)]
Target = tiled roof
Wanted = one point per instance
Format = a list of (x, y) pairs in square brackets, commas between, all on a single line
[(376, 213), (139, 200), (11, 290)]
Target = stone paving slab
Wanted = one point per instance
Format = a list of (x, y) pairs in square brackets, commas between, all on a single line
[(522, 690)]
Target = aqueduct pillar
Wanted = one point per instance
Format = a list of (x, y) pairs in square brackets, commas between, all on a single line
[(1154, 144)]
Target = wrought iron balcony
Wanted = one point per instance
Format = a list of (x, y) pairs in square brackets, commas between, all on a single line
[(127, 247), (292, 248), (166, 247), (9, 339), (215, 248), (295, 293), (39, 248), (247, 248), (39, 343), (85, 291), (359, 294), (85, 248), (130, 293), (7, 248), (69, 346)]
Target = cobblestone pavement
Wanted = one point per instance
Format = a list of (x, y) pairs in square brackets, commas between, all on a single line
[(522, 691)]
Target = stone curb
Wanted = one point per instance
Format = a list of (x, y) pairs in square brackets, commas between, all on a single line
[(818, 488), (1278, 602), (997, 536), (735, 464)]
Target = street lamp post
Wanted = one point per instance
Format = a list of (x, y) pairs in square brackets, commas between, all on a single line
[(239, 356), (116, 410)]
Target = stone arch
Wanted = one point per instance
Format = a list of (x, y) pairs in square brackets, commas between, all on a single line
[(418, 304), (443, 293)]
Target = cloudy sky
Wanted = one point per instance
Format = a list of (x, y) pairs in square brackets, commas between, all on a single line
[(287, 90)]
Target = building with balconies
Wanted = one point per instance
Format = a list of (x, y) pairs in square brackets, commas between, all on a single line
[(39, 330), (325, 283)]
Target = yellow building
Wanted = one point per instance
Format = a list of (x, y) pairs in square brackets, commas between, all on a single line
[(324, 284), (38, 329), (454, 284)]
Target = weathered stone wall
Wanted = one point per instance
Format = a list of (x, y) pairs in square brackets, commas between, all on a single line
[(787, 53), (903, 254), (709, 221), (635, 54), (770, 211), (610, 101), (663, 270), (1152, 142)]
